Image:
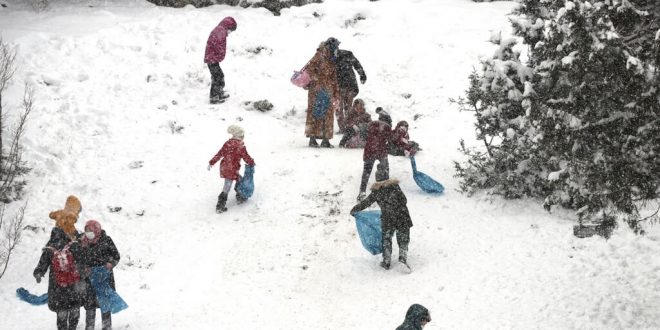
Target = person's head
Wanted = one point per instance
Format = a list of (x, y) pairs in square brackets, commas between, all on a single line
[(382, 174), (66, 218), (92, 231), (384, 116), (418, 315), (402, 125), (229, 23), (236, 132), (358, 106)]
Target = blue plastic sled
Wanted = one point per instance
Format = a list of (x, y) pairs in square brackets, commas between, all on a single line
[(246, 185), (32, 299), (106, 297), (424, 181), (369, 230), (321, 104)]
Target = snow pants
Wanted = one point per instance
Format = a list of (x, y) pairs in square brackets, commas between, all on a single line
[(217, 80), (368, 167), (402, 239)]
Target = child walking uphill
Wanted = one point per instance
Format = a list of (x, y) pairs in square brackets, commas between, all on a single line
[(231, 154), (394, 215), (378, 136)]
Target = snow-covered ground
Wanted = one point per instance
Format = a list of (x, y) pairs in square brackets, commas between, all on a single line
[(114, 81)]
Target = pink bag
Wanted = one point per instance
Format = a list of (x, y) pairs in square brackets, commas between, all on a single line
[(301, 78)]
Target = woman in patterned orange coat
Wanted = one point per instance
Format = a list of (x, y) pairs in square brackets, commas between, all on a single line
[(323, 94)]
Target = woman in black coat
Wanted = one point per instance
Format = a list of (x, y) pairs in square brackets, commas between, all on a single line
[(63, 300), (98, 251), (394, 215)]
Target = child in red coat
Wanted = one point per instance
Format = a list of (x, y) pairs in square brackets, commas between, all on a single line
[(379, 133), (231, 154)]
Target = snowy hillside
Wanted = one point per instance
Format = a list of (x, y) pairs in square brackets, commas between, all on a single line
[(122, 119)]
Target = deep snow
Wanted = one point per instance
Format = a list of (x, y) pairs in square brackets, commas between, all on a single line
[(114, 79)]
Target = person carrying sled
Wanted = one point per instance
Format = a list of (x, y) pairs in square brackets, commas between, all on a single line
[(216, 48), (355, 134), (417, 317), (98, 250), (231, 154), (322, 94), (395, 217), (400, 143), (348, 87), (378, 135), (61, 257)]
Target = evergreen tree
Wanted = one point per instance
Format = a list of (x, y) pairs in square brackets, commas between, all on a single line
[(577, 123)]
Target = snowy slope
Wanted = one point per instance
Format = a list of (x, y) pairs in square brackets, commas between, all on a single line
[(114, 79)]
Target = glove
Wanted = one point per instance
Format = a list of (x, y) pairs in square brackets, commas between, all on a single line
[(38, 278), (208, 168), (406, 153), (108, 266)]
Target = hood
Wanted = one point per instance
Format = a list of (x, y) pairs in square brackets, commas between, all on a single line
[(415, 314), (384, 183), (228, 23)]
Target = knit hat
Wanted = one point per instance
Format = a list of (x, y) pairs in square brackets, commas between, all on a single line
[(384, 116), (236, 132), (66, 218), (382, 174)]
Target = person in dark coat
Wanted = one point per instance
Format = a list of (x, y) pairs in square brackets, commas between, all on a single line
[(357, 121), (216, 48), (378, 136), (231, 154), (394, 215), (65, 301), (417, 317), (400, 144), (348, 87), (98, 250)]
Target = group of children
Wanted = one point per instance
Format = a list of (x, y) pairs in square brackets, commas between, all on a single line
[(71, 256)]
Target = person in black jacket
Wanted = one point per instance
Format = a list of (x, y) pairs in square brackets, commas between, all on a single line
[(98, 251), (65, 301), (394, 215), (348, 87), (416, 318)]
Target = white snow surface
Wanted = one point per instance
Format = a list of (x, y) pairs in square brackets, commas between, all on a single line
[(114, 78)]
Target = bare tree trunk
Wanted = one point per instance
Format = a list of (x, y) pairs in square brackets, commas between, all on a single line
[(11, 236)]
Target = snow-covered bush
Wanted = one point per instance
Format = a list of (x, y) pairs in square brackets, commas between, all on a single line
[(273, 5), (576, 123)]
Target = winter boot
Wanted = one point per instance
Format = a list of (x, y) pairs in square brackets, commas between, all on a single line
[(222, 200), (385, 265), (240, 199), (313, 143), (403, 256), (326, 144)]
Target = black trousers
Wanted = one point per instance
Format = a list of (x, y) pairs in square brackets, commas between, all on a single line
[(68, 320), (402, 239), (368, 167), (217, 80), (90, 319)]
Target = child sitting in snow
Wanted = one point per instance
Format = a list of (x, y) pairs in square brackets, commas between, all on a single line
[(355, 134), (231, 154), (400, 144)]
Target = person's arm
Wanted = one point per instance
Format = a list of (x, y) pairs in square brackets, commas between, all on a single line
[(364, 204), (358, 67), (246, 157), (44, 263), (221, 153), (113, 253)]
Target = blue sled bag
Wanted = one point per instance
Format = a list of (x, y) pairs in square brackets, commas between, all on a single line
[(245, 185), (369, 230)]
